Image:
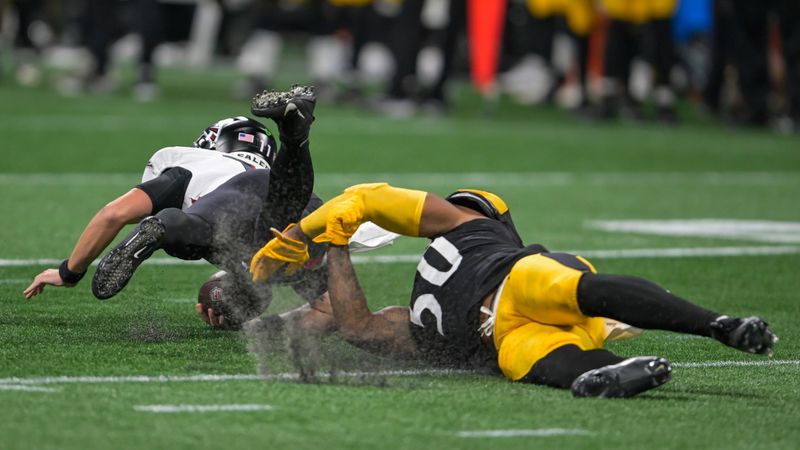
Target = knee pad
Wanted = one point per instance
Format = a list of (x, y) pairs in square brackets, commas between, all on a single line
[(187, 235)]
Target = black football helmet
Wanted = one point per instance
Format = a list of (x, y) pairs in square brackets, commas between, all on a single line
[(485, 203), (239, 134)]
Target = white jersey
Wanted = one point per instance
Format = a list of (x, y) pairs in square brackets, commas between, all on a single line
[(209, 168)]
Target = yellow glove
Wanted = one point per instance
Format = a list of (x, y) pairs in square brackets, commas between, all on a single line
[(343, 220), (278, 251)]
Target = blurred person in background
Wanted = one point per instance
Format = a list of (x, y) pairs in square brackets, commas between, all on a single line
[(726, 36), (356, 17), (272, 21), (547, 18), (31, 23), (405, 44), (637, 28), (436, 25), (103, 22), (753, 19)]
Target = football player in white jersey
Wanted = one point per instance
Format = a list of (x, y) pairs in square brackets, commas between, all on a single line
[(215, 200)]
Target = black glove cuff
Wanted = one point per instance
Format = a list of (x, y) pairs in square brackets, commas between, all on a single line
[(68, 276)]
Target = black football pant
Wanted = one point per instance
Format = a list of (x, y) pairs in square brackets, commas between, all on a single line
[(227, 226), (632, 300)]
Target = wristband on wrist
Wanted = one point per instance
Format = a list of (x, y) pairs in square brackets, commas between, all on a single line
[(68, 276)]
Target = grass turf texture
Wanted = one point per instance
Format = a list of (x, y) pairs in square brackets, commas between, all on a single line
[(555, 174)]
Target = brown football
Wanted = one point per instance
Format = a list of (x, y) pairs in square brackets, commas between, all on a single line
[(237, 302), (212, 295)]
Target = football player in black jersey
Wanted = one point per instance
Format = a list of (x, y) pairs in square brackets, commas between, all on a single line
[(483, 300), (216, 201)]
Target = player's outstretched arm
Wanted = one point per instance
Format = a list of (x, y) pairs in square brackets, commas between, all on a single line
[(101, 230), (404, 211), (383, 332)]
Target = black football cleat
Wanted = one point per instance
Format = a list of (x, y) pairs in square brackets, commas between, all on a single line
[(117, 267), (626, 379), (750, 334), (292, 110)]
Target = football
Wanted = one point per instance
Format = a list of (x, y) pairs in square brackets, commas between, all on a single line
[(236, 301), (212, 293)]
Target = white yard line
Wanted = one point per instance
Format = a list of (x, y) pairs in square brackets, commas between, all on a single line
[(767, 231), (27, 388), (686, 252), (211, 377), (450, 179), (675, 252), (243, 407), (182, 300), (14, 280), (35, 381), (755, 363), (536, 432)]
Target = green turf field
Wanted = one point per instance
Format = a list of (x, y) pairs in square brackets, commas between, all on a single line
[(76, 373)]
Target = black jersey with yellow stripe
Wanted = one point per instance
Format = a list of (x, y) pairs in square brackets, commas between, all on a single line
[(456, 272)]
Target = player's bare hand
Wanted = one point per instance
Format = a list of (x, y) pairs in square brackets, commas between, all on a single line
[(208, 316), (48, 277)]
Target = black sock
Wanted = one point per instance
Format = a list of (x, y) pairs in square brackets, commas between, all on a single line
[(290, 185), (641, 303), (563, 365)]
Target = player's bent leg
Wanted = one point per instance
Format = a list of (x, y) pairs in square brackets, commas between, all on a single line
[(562, 366), (625, 379), (524, 347), (187, 236), (644, 304), (118, 266), (641, 303)]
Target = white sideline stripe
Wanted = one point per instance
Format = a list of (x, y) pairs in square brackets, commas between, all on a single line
[(212, 377), (25, 388), (202, 408), (182, 300), (767, 231), (684, 252), (14, 280), (540, 432), (88, 379), (450, 179), (677, 252), (54, 261), (761, 363)]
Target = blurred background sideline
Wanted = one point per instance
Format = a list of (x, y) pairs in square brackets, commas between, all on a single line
[(736, 61)]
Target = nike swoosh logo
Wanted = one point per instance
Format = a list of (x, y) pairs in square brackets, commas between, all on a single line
[(138, 252), (292, 107)]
